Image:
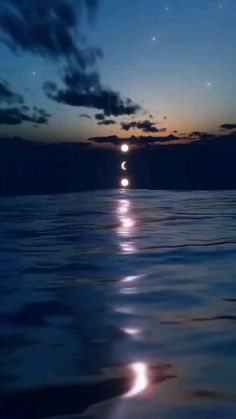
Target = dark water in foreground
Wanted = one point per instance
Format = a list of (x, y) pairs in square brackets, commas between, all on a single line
[(129, 297)]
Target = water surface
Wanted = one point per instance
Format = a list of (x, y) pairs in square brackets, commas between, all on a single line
[(130, 296)]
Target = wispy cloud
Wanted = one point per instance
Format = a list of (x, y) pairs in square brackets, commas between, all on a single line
[(107, 122), (14, 111)]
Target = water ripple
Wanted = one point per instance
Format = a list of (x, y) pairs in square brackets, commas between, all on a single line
[(114, 293)]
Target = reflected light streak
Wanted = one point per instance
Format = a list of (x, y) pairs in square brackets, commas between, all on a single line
[(124, 310), (141, 381), (128, 248), (124, 206), (131, 278), (127, 222), (129, 291), (131, 331), (127, 225)]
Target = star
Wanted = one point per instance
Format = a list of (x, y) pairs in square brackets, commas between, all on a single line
[(167, 8), (209, 84), (154, 38), (34, 73), (220, 6)]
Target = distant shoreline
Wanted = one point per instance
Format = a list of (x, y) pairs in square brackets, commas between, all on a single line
[(31, 168)]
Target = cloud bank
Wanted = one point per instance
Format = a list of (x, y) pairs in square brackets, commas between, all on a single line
[(138, 141), (86, 90)]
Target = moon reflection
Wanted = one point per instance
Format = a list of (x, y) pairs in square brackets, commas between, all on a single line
[(127, 226), (124, 206), (131, 331), (128, 247), (141, 379), (124, 310), (127, 222), (140, 370), (131, 278), (129, 291)]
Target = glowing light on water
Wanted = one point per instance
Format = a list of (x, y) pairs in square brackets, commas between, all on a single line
[(131, 331), (141, 382), (131, 278), (124, 310), (129, 291), (127, 225), (124, 206), (127, 222), (128, 247)]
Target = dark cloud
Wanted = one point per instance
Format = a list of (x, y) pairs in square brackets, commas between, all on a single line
[(113, 139), (100, 116), (228, 126), (7, 96), (17, 115), (85, 115), (50, 29), (138, 141), (86, 90), (156, 140), (168, 138), (146, 126), (47, 28), (107, 122), (198, 135), (14, 111), (40, 115), (81, 81)]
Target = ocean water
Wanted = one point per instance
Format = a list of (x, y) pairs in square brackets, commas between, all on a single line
[(118, 305)]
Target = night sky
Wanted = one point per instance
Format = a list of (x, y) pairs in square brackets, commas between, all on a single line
[(71, 70)]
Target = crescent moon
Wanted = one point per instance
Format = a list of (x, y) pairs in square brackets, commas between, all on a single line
[(123, 165)]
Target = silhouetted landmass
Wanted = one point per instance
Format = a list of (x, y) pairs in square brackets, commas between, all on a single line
[(28, 167)]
